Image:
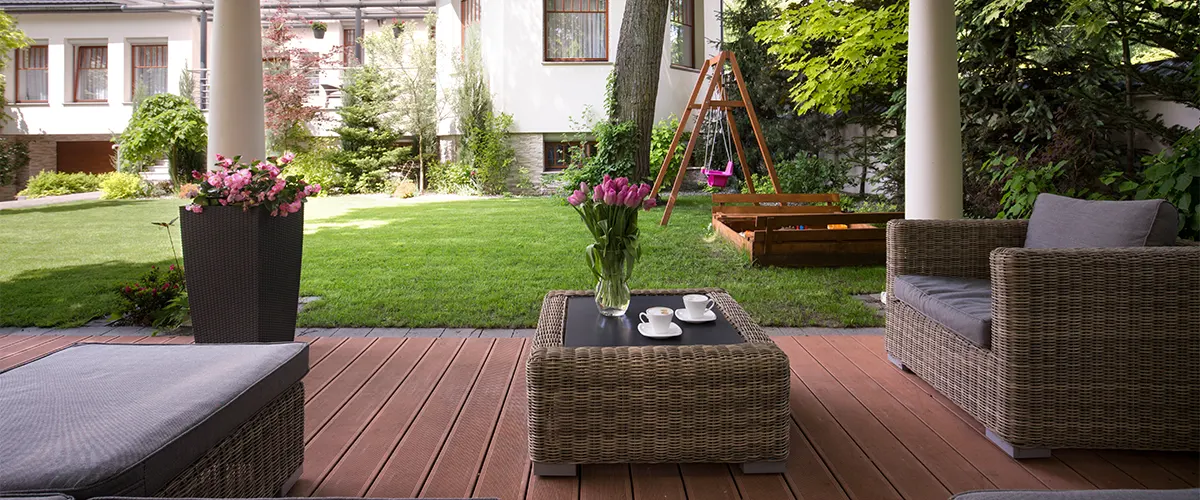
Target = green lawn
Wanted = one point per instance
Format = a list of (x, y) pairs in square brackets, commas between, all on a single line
[(383, 262)]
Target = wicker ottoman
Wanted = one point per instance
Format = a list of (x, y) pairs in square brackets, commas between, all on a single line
[(664, 401)]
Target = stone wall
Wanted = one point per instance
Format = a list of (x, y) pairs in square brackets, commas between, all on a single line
[(528, 165)]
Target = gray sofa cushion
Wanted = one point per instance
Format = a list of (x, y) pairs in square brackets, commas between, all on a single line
[(962, 305), (47, 496), (1191, 494), (1061, 222), (105, 419)]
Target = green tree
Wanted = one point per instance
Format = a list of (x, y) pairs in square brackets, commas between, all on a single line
[(165, 125), (11, 39), (371, 147), (484, 151), (637, 66)]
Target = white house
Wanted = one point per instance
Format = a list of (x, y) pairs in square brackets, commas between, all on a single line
[(548, 62), (71, 90)]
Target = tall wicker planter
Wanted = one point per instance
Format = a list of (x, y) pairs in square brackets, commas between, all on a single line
[(243, 273)]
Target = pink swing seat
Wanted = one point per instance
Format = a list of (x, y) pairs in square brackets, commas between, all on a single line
[(717, 178)]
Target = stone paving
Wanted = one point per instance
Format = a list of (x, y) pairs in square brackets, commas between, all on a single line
[(405, 332), (49, 200)]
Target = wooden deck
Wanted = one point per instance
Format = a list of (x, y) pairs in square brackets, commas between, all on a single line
[(396, 417)]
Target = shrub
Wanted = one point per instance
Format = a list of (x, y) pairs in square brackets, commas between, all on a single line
[(486, 150), (371, 151), (316, 167), (803, 174), (165, 125), (154, 299), (121, 186), (406, 188), (453, 177), (49, 183), (14, 156), (660, 142), (615, 142), (1174, 175)]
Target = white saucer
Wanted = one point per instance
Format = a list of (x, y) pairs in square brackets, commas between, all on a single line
[(682, 315), (673, 331)]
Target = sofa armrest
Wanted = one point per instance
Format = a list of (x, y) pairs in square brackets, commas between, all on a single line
[(1136, 304), (953, 248)]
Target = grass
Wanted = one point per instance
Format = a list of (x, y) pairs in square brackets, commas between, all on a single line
[(383, 262)]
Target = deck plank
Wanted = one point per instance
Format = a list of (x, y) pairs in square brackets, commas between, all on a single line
[(405, 471), (551, 488), (875, 345), (605, 482), (1098, 471), (807, 474), (983, 455), (708, 482), (1146, 472), (321, 408), (657, 481), (505, 471), (761, 486), (1185, 465), (324, 450), (458, 464), (12, 339), (35, 351), (357, 468), (324, 371), (24, 345), (320, 347), (903, 470)]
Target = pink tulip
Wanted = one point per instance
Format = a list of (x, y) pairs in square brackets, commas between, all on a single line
[(644, 191), (649, 203), (606, 178), (598, 193), (610, 197), (576, 198), (584, 187), (621, 182)]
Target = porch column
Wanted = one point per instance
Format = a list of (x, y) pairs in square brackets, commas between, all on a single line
[(235, 119), (933, 142)]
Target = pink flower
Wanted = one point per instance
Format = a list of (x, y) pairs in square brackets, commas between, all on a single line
[(194, 208), (598, 194), (286, 158), (610, 197), (606, 179), (197, 175), (621, 182), (644, 190), (649, 203), (584, 187), (632, 200), (576, 198)]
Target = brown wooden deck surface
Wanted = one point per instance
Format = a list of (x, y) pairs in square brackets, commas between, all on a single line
[(396, 417)]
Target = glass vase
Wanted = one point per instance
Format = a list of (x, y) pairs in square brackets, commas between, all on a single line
[(612, 296)]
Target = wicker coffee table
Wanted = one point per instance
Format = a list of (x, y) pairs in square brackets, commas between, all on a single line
[(599, 392)]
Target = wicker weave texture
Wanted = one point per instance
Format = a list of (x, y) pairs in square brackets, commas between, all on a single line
[(243, 273), (1091, 348), (255, 460), (660, 404)]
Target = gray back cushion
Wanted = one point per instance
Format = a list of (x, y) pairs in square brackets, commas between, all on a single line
[(110, 419), (1061, 222)]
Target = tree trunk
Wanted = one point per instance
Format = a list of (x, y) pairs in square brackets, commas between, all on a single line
[(638, 62)]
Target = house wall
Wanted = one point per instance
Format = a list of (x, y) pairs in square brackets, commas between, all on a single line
[(553, 98)]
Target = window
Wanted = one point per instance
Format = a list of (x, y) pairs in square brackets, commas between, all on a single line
[(91, 74), (349, 42), (683, 33), (559, 154), (149, 69), (470, 14), (576, 30), (33, 83)]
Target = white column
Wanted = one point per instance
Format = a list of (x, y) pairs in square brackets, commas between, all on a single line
[(933, 142), (235, 119)]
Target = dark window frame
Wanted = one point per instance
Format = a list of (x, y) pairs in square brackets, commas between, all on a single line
[(135, 66), (22, 58), (79, 58), (684, 16), (557, 154), (546, 11)]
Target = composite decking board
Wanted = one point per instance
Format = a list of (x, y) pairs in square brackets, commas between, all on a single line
[(506, 467), (1098, 471), (947, 465), (183, 339), (708, 482), (551, 488), (657, 481), (457, 466), (26, 344), (858, 475), (359, 466), (605, 482), (1150, 474), (806, 474), (157, 339), (1051, 472), (322, 407), (11, 338), (405, 471), (761, 486), (324, 450), (320, 347), (321, 374), (986, 457), (33, 352), (1186, 466)]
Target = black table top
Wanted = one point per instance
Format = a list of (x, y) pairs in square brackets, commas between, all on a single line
[(585, 327)]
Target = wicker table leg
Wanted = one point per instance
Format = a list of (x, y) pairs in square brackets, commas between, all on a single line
[(545, 469)]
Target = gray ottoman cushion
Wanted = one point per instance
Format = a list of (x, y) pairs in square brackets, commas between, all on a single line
[(1061, 222), (104, 419), (48, 496), (962, 305), (1193, 494)]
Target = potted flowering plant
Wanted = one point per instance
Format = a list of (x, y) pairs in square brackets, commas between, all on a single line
[(611, 215), (397, 28), (319, 28), (243, 236)]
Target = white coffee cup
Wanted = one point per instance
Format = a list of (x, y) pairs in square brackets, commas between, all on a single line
[(659, 319), (697, 305)]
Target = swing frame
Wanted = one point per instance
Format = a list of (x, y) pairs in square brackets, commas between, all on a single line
[(717, 64)]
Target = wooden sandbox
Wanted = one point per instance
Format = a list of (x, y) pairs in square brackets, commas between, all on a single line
[(767, 228)]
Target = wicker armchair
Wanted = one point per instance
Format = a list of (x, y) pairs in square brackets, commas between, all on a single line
[(1090, 348)]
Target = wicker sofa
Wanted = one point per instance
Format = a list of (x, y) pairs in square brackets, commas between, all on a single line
[(1088, 347)]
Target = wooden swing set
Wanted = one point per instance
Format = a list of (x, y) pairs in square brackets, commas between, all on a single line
[(798, 230)]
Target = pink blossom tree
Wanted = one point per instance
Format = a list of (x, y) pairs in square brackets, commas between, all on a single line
[(289, 72)]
